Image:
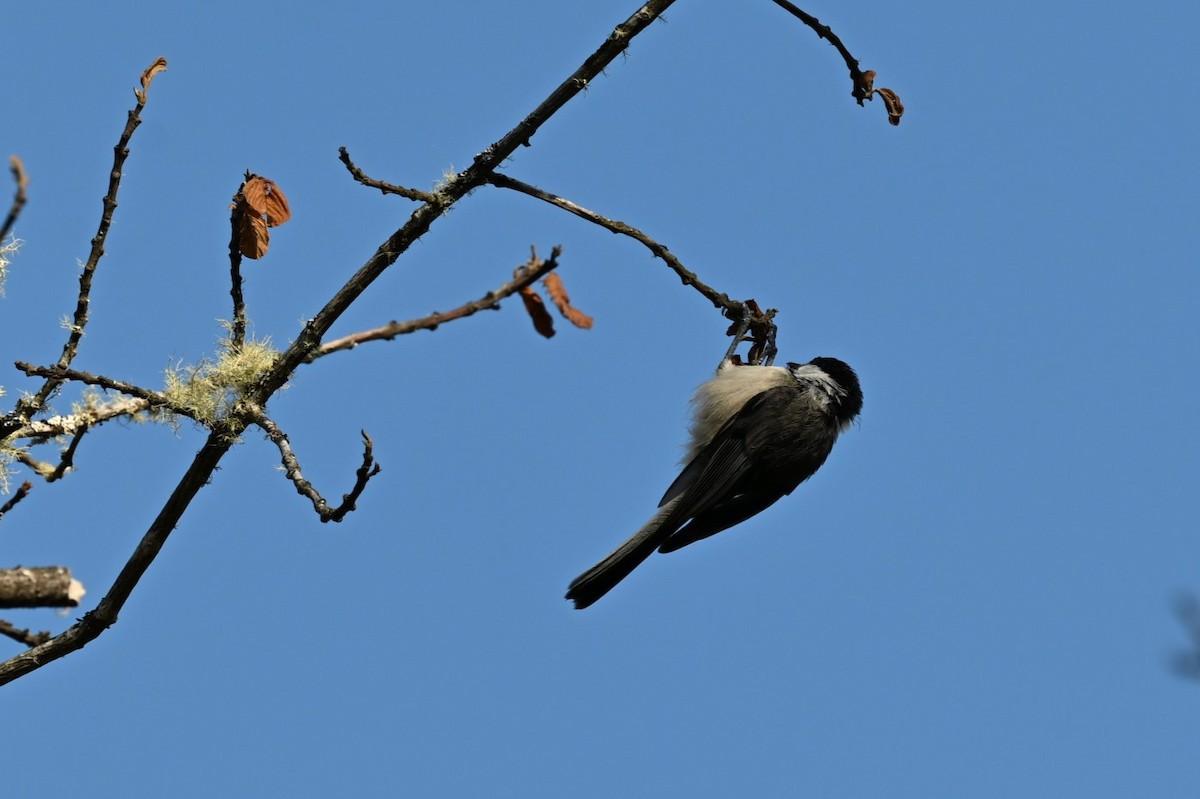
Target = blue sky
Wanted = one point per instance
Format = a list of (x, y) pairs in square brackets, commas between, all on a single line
[(973, 596)]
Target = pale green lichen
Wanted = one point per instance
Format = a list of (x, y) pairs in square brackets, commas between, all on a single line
[(211, 390), (7, 472), (7, 250)]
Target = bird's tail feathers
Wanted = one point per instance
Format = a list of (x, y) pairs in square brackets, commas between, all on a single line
[(601, 578)]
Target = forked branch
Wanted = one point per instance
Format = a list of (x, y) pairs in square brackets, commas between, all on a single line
[(291, 467), (488, 302)]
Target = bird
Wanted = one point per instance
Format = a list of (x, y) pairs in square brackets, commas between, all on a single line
[(757, 433)]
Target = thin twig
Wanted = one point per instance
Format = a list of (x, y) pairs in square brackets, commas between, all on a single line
[(386, 188), (688, 277), (68, 457), (746, 315), (22, 181), (27, 637), (62, 374), (489, 301), (861, 88), (291, 466), (18, 495), (237, 332), (27, 407)]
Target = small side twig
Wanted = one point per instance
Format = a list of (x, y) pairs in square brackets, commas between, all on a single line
[(28, 406), (688, 277), (17, 496), (291, 466), (22, 181), (27, 637), (386, 188), (861, 90), (67, 461), (759, 323), (489, 301), (62, 374)]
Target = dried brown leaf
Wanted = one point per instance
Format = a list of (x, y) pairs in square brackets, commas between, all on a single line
[(578, 318), (867, 82), (895, 108), (267, 200), (253, 238), (159, 65), (562, 301), (557, 291), (536, 308)]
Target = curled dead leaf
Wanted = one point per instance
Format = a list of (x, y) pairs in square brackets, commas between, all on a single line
[(562, 301), (895, 108), (159, 65), (536, 308), (253, 238), (267, 200)]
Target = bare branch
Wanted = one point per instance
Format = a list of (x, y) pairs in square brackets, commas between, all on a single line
[(688, 277), (62, 374), (750, 322), (237, 331), (17, 496), (27, 407), (457, 187), (22, 181), (39, 587), (67, 461), (42, 429), (861, 91), (291, 467), (386, 188), (489, 301), (27, 637), (94, 623), (863, 80)]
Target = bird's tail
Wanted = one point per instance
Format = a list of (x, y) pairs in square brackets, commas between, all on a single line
[(600, 579)]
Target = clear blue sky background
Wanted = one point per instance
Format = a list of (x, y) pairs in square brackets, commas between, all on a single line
[(972, 598)]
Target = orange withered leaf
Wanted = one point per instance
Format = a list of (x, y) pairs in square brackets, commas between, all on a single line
[(253, 238), (267, 200), (562, 301), (536, 308), (557, 291)]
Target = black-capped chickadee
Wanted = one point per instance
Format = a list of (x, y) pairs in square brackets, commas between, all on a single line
[(757, 432)]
